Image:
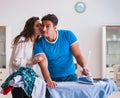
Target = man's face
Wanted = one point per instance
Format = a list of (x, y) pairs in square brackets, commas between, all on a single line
[(48, 28)]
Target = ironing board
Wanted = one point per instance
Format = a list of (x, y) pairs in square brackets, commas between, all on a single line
[(100, 89)]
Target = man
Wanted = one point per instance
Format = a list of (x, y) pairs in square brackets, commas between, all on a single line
[(58, 48)]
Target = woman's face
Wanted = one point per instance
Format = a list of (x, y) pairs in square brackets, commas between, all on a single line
[(37, 27)]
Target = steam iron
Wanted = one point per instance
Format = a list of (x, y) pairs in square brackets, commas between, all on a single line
[(86, 79)]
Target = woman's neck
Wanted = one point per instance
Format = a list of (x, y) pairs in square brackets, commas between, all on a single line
[(33, 38)]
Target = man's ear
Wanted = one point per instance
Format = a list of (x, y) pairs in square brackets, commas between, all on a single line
[(55, 27)]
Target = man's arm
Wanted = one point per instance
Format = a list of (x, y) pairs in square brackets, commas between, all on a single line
[(44, 68), (79, 58)]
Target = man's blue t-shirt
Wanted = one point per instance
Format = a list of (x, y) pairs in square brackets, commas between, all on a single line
[(59, 54)]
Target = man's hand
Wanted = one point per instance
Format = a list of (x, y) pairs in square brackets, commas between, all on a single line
[(51, 84), (85, 71)]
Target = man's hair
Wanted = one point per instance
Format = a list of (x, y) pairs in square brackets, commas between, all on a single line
[(51, 17)]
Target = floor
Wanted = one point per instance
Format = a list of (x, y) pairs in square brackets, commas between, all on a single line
[(6, 96), (115, 95)]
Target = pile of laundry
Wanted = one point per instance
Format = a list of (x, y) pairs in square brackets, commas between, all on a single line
[(28, 80)]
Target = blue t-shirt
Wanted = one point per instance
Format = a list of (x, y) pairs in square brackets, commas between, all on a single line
[(59, 55)]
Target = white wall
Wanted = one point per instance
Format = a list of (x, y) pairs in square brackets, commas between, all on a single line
[(87, 26)]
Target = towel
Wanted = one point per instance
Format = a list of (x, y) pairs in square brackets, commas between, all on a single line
[(39, 89)]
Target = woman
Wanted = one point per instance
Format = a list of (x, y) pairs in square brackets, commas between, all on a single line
[(22, 54)]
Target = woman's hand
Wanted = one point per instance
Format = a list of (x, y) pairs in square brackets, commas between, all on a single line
[(37, 59)]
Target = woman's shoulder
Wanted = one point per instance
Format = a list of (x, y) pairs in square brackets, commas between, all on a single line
[(21, 43), (22, 39)]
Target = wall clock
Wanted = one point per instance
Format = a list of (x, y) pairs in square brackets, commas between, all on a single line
[(80, 7)]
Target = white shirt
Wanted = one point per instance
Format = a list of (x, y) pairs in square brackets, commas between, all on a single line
[(22, 52)]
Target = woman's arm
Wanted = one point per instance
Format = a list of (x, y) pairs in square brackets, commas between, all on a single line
[(19, 55)]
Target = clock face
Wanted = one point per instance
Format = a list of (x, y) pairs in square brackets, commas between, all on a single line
[(80, 7)]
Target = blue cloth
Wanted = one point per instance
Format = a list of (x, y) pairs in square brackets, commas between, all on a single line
[(59, 55), (72, 77), (101, 89), (28, 76)]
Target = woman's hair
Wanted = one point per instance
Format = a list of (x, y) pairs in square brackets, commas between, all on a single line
[(53, 18), (28, 30)]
